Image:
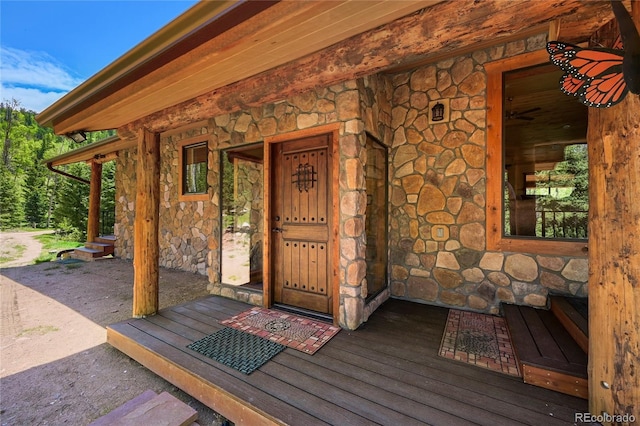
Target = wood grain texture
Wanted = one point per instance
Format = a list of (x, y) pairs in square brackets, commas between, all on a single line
[(458, 25), (614, 255), (385, 373), (146, 249)]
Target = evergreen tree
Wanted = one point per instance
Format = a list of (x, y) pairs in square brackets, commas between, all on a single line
[(72, 209), (28, 191), (35, 204), (11, 210)]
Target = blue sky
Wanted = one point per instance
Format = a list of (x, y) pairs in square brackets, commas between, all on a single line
[(50, 47)]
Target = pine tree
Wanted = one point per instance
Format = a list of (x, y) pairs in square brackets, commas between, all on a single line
[(71, 212)]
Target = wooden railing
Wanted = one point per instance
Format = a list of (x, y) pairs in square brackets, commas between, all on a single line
[(107, 222), (564, 224)]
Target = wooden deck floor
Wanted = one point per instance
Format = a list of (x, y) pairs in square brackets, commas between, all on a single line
[(387, 372)]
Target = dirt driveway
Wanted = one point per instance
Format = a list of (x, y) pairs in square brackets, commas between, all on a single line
[(55, 365)]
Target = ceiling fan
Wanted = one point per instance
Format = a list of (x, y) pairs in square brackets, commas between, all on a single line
[(522, 115)]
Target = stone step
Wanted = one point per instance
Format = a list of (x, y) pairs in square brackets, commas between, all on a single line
[(107, 239), (106, 248), (150, 408), (85, 253)]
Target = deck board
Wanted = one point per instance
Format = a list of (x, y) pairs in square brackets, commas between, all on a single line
[(387, 372)]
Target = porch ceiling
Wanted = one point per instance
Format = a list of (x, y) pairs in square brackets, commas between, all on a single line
[(258, 36), (215, 45)]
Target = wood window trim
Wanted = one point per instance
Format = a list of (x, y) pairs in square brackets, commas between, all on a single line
[(180, 146), (494, 211)]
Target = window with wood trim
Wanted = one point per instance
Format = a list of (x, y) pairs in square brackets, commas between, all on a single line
[(193, 170), (537, 166)]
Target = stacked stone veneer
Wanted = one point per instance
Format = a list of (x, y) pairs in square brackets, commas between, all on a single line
[(438, 188), (437, 181), (190, 230)]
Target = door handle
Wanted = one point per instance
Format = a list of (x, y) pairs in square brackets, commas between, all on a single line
[(277, 229)]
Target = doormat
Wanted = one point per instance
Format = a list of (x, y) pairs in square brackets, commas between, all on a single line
[(479, 339), (303, 334), (244, 352)]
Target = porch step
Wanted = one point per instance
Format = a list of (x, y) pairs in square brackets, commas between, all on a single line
[(572, 314), (105, 248), (547, 354), (150, 408), (106, 239), (101, 247), (84, 253)]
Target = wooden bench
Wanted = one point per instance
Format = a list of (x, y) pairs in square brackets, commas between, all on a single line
[(548, 355), (150, 408)]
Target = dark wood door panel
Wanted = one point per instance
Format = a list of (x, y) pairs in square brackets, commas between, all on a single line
[(300, 223)]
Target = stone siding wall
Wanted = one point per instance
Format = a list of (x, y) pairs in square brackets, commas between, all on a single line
[(190, 231), (186, 227), (125, 179), (437, 247), (375, 105), (438, 189)]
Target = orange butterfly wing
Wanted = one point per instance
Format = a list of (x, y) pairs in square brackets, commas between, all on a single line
[(604, 91), (593, 75), (571, 85)]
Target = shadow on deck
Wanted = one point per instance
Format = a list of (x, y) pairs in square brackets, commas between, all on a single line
[(387, 372)]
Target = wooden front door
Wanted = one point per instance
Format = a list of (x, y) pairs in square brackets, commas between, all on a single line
[(300, 223)]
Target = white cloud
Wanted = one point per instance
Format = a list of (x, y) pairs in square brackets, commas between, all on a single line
[(30, 98), (34, 78)]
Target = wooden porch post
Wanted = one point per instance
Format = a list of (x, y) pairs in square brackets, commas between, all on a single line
[(614, 257), (95, 187), (146, 250)]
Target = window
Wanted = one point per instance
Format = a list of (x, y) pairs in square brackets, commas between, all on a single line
[(537, 165), (193, 171), (242, 216), (376, 217)]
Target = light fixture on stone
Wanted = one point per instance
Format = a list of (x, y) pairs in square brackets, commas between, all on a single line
[(439, 111)]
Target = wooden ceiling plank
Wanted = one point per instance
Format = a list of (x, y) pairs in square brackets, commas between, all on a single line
[(207, 74)]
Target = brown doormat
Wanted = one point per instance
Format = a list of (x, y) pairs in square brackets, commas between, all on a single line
[(479, 339), (303, 334)]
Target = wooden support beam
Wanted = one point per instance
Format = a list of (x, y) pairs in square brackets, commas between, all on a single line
[(614, 257), (146, 250), (95, 188)]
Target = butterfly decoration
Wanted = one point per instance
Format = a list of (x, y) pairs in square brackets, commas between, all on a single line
[(601, 77)]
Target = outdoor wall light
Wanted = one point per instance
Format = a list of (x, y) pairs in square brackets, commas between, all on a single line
[(77, 136), (437, 112)]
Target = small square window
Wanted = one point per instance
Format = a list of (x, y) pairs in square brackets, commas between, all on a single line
[(193, 171)]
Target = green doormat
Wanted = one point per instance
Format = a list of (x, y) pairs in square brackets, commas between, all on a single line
[(242, 351)]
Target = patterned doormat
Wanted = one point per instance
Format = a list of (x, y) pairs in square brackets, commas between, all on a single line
[(303, 334), (479, 339), (235, 349)]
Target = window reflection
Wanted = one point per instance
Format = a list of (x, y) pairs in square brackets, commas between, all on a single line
[(242, 209), (376, 217), (194, 172), (546, 180)]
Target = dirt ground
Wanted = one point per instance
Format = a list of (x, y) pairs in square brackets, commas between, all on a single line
[(55, 365)]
